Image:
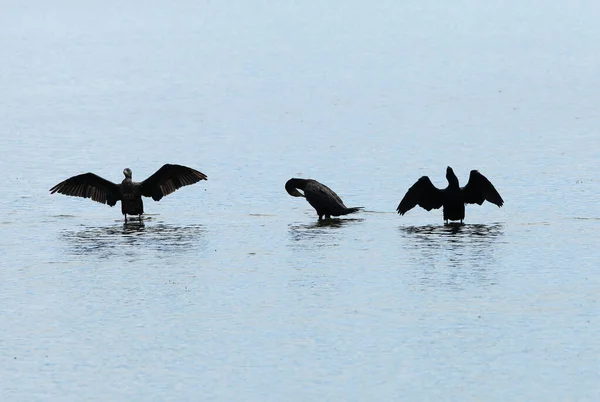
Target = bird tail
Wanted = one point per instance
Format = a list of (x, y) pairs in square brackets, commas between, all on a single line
[(352, 210)]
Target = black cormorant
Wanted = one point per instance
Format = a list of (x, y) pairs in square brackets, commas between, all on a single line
[(166, 180), (324, 200), (453, 198)]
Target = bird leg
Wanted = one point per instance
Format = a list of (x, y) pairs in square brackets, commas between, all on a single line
[(125, 215)]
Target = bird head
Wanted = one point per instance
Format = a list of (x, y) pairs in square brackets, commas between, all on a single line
[(450, 176), (291, 185), (127, 173), (295, 193)]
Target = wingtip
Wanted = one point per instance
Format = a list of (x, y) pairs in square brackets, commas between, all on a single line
[(199, 174)]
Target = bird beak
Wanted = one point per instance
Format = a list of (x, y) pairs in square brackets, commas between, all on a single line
[(298, 194)]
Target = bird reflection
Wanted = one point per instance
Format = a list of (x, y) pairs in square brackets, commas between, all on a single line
[(455, 228), (323, 233), (110, 240), (133, 225), (331, 223), (453, 254)]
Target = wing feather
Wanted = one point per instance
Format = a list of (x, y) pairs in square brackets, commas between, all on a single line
[(324, 199), (169, 178), (424, 194), (480, 189), (89, 185)]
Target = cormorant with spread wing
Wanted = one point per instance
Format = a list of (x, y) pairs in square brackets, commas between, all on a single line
[(166, 180), (324, 200), (453, 198)]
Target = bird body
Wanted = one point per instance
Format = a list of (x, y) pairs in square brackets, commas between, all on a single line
[(453, 198), (323, 199), (453, 206), (163, 182), (131, 197)]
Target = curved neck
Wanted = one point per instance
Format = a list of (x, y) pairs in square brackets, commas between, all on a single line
[(292, 184)]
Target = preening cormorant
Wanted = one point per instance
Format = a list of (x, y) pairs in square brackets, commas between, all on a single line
[(453, 198), (166, 180), (323, 199)]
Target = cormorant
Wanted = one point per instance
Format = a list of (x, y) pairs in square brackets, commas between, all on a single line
[(324, 200), (166, 180), (453, 198)]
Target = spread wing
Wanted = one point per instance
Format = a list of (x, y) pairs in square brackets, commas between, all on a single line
[(480, 189), (89, 185), (168, 179), (424, 194)]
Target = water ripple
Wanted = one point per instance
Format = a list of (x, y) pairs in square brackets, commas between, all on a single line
[(108, 240), (453, 255), (323, 233)]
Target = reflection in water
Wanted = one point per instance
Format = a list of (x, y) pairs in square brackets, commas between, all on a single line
[(456, 230), (453, 254), (132, 235), (322, 233)]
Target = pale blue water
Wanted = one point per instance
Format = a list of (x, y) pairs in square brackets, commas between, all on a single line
[(231, 290)]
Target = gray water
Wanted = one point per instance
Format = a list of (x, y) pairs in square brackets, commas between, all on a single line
[(231, 289)]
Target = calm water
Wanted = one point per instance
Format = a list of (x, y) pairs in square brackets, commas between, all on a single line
[(231, 289)]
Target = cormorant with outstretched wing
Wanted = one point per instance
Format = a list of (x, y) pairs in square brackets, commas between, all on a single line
[(166, 180), (453, 198)]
